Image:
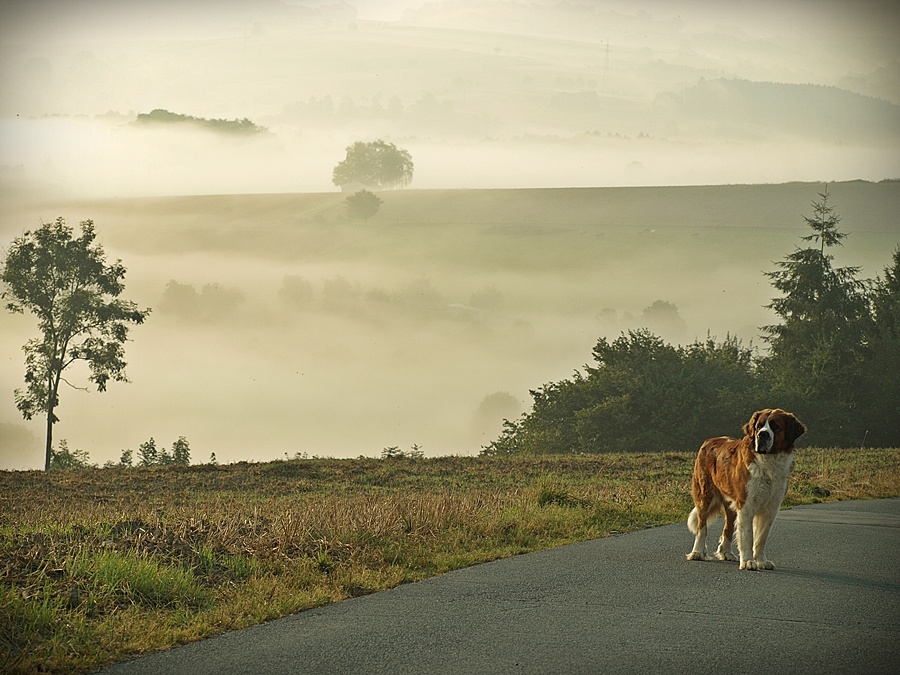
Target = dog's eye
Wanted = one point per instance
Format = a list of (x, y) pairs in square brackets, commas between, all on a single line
[(774, 426)]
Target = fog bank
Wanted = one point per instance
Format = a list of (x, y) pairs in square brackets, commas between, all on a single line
[(501, 94), (280, 326)]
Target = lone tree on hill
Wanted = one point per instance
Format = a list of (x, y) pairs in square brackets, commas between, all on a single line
[(67, 284), (376, 165), (362, 205)]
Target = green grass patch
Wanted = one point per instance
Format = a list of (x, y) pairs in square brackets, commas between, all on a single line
[(127, 578)]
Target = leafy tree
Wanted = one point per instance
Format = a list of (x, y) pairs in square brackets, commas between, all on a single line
[(394, 452), (148, 455), (651, 395), (214, 302), (296, 291), (886, 301), (375, 165), (68, 459), (816, 351), (164, 457), (67, 284), (362, 205), (880, 390), (181, 452), (491, 412), (662, 317)]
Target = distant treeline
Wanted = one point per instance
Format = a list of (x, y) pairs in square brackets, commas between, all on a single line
[(833, 360), (743, 104), (241, 127)]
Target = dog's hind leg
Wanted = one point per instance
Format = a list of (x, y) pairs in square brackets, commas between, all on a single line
[(725, 551), (697, 524)]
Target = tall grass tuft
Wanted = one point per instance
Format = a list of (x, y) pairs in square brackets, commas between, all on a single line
[(112, 577)]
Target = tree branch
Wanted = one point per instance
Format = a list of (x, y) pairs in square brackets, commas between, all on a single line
[(73, 386)]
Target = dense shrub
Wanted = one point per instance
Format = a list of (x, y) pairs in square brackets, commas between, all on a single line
[(642, 394)]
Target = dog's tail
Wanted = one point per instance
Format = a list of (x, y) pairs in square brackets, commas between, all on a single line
[(693, 522)]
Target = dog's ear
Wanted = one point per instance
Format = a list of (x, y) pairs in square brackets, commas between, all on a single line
[(750, 427), (795, 428)]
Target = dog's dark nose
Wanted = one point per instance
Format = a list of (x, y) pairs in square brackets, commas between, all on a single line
[(762, 440)]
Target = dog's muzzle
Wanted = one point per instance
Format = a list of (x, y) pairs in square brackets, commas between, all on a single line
[(764, 441)]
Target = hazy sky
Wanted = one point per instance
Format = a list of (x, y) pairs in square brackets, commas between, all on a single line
[(483, 94)]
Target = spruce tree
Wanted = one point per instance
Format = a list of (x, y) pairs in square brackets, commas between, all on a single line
[(817, 349)]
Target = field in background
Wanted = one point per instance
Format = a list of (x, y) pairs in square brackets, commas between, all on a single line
[(97, 565), (280, 325)]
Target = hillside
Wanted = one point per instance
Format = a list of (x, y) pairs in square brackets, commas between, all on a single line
[(756, 110), (875, 205), (280, 325)]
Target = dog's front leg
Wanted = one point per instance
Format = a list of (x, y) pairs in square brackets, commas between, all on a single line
[(762, 525), (744, 527)]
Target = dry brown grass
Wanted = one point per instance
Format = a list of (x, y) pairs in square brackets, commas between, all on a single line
[(96, 565)]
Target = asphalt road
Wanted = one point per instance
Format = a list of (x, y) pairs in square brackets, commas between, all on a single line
[(625, 604)]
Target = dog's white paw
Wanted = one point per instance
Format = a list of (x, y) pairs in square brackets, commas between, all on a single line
[(765, 565), (696, 555), (748, 565), (723, 555)]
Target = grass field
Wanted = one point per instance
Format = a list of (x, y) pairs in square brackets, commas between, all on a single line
[(97, 565)]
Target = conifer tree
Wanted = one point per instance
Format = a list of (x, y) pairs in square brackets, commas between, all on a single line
[(816, 350)]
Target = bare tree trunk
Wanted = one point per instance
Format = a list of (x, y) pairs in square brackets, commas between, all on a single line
[(49, 450), (52, 388)]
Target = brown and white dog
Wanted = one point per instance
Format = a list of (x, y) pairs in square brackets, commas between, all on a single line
[(746, 478)]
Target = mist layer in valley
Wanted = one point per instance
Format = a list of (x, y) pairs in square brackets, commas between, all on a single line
[(280, 326)]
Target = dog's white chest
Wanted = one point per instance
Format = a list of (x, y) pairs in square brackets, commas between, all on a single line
[(768, 478)]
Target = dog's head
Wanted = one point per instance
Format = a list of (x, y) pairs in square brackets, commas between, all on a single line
[(773, 430)]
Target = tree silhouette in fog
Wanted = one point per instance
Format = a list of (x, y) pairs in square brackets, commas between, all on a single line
[(375, 165), (362, 205)]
